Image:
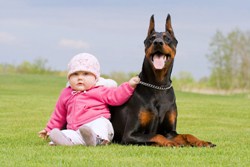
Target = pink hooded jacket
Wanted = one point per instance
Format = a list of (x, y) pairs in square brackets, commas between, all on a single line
[(78, 108)]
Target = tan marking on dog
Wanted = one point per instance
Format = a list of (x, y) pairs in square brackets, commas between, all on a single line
[(145, 117), (149, 51), (168, 50), (172, 117)]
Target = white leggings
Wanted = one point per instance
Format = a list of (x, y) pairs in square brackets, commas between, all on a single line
[(101, 126)]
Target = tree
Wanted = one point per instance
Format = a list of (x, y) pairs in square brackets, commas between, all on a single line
[(230, 60), (38, 67)]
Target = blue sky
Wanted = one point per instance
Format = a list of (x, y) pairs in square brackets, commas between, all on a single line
[(114, 31)]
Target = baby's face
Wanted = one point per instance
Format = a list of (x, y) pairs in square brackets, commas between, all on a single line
[(82, 80)]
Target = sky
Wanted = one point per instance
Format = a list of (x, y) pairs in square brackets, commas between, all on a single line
[(114, 31)]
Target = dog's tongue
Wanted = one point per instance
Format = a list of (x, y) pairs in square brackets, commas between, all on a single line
[(159, 61)]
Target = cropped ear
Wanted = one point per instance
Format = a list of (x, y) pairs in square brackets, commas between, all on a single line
[(169, 25), (151, 28)]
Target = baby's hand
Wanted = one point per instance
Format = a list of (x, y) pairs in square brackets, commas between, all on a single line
[(134, 81), (43, 134)]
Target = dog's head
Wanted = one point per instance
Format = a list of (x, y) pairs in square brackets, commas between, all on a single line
[(160, 47)]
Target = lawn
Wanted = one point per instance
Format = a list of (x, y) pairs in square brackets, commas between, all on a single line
[(26, 102)]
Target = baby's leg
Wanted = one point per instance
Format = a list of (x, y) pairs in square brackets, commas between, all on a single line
[(103, 128), (88, 135), (59, 138)]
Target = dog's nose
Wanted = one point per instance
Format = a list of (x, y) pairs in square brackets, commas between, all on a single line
[(158, 41)]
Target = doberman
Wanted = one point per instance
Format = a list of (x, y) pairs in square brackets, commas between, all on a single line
[(149, 117)]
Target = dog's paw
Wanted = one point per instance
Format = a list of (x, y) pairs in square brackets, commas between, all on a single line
[(204, 144), (170, 144)]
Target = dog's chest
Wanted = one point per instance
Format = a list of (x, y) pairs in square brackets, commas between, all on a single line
[(154, 109)]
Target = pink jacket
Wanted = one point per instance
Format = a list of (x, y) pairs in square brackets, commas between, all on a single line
[(78, 108)]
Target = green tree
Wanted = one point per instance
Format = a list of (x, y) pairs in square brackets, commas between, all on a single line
[(230, 60)]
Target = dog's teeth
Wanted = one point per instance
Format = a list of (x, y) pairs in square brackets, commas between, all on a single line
[(169, 57)]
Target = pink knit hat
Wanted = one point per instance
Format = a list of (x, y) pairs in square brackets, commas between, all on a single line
[(84, 62)]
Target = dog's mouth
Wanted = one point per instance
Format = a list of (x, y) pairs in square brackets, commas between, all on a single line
[(159, 60)]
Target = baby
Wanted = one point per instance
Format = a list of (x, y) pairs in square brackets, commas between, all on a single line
[(83, 106)]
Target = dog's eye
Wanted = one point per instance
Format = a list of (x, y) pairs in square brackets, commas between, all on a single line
[(167, 39), (151, 39)]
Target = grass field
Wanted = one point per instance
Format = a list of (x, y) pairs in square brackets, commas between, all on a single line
[(26, 102)]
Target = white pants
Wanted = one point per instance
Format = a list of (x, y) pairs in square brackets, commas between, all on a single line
[(101, 126)]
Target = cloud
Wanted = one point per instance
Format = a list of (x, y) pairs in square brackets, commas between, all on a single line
[(73, 44), (7, 38)]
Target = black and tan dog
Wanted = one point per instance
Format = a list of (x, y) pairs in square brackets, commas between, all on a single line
[(150, 115)]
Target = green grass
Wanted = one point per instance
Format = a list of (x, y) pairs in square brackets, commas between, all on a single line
[(26, 102)]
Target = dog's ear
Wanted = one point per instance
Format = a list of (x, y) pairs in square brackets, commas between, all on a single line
[(151, 28), (170, 30), (169, 25)]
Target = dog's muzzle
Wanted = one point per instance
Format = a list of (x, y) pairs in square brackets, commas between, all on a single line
[(158, 42), (159, 58)]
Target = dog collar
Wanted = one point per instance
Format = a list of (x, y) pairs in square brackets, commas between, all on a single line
[(155, 87)]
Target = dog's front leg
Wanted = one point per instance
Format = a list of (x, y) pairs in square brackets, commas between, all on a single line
[(190, 140), (160, 140)]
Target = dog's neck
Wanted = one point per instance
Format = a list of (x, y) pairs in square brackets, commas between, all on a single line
[(158, 78)]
